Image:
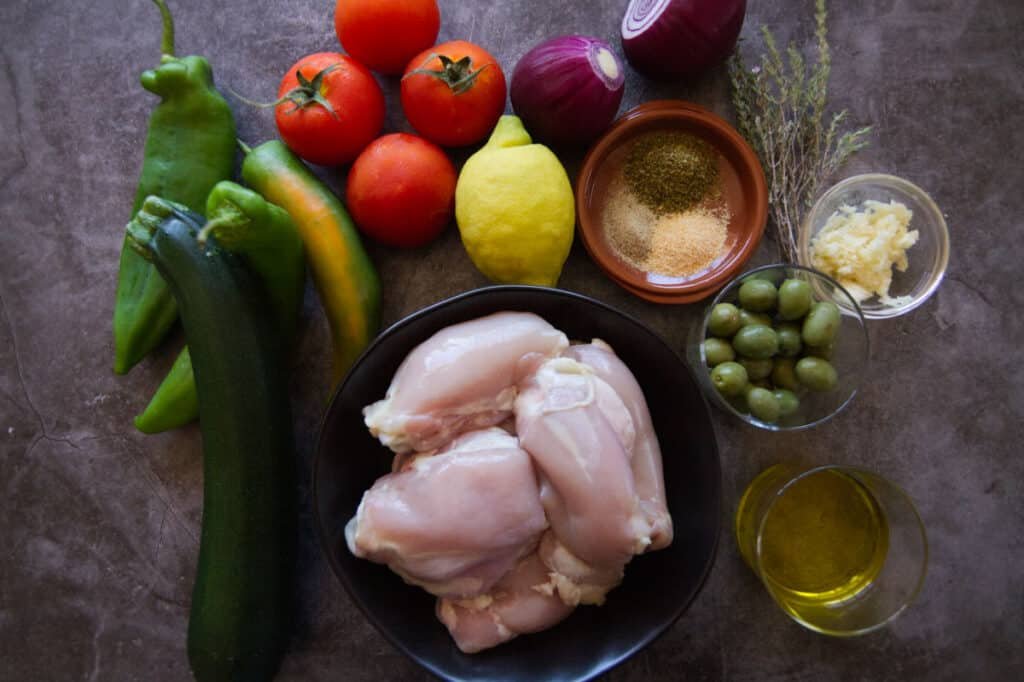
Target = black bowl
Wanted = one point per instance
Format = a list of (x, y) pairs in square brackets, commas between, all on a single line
[(657, 588)]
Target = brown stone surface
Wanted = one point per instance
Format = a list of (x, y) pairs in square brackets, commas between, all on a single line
[(100, 523)]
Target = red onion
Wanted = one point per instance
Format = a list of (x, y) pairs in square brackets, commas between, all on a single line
[(673, 38), (567, 90)]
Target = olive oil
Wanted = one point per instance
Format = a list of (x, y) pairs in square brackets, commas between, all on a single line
[(823, 539)]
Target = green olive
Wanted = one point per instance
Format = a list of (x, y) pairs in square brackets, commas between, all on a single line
[(758, 296), (757, 341), (772, 276), (789, 339), (821, 324), (717, 351), (748, 318), (737, 402), (823, 352), (784, 373), (763, 404), (816, 374), (724, 320), (729, 378), (757, 369), (788, 402), (794, 299)]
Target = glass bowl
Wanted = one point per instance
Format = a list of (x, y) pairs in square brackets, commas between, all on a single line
[(927, 259), (849, 355)]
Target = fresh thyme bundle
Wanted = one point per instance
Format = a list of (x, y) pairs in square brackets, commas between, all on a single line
[(780, 106)]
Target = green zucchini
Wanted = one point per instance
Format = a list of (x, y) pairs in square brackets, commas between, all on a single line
[(239, 621)]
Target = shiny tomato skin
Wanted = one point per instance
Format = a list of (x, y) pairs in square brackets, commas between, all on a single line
[(385, 34), (312, 132), (449, 118), (401, 190)]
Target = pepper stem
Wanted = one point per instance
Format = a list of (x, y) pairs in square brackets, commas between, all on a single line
[(227, 223), (167, 40)]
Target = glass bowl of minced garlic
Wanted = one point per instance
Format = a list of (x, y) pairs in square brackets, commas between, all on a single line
[(882, 238)]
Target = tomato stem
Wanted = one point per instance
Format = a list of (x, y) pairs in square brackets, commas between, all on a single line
[(306, 93), (457, 75)]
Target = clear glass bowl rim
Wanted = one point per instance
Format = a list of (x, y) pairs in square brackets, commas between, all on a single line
[(750, 419), (859, 473), (938, 270)]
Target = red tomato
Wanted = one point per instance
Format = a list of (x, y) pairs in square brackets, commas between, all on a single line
[(452, 101), (401, 190), (310, 129), (385, 34)]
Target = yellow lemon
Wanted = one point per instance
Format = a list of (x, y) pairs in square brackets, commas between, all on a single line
[(514, 207)]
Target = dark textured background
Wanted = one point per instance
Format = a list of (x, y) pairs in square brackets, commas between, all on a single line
[(98, 524)]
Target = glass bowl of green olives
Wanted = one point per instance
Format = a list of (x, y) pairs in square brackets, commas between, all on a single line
[(775, 349)]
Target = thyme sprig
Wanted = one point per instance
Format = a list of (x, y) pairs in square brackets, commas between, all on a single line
[(780, 106)]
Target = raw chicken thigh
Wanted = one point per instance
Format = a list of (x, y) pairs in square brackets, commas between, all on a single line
[(646, 462), (461, 378), (512, 527), (456, 521), (581, 438), (574, 580), (522, 602)]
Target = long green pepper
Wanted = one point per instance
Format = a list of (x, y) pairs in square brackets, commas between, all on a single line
[(190, 147), (264, 236)]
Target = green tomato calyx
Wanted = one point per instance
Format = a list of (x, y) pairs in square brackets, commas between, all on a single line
[(457, 75), (309, 92)]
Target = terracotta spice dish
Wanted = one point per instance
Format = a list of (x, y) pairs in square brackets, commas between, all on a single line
[(742, 184)]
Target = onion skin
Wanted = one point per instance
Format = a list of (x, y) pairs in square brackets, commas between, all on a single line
[(564, 94), (688, 38)]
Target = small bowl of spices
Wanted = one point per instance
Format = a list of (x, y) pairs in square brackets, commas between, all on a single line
[(671, 202)]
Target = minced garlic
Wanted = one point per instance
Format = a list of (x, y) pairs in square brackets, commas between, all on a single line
[(859, 248)]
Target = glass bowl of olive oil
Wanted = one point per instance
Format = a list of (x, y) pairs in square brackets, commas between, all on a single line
[(841, 550)]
